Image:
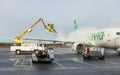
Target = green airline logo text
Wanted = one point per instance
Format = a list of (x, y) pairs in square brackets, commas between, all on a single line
[(97, 36)]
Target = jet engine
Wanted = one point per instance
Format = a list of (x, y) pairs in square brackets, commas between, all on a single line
[(78, 47)]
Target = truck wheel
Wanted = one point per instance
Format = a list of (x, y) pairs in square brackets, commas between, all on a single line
[(36, 51), (79, 52), (49, 61), (102, 58), (17, 52), (84, 57), (118, 53), (33, 61)]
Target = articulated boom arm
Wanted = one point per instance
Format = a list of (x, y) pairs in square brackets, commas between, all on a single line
[(48, 28)]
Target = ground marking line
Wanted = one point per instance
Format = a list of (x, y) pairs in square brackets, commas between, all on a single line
[(16, 62), (86, 63), (31, 63), (114, 63), (22, 64), (60, 65), (25, 66), (89, 64)]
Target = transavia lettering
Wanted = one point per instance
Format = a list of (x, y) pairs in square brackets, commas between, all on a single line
[(97, 36)]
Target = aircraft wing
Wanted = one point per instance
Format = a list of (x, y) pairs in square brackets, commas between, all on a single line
[(54, 41)]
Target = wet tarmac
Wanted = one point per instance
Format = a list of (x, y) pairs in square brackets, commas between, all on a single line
[(66, 63)]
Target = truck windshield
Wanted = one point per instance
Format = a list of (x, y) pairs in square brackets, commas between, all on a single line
[(118, 33), (45, 45), (40, 44)]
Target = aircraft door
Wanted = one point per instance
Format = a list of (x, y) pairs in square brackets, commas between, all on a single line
[(108, 37), (117, 42), (108, 40)]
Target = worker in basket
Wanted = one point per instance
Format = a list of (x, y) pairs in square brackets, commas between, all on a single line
[(50, 28)]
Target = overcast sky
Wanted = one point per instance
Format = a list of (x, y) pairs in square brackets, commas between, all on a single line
[(16, 15)]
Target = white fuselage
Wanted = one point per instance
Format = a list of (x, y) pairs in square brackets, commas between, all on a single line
[(107, 38)]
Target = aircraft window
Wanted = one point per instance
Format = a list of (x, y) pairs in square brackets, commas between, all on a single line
[(118, 33), (40, 45)]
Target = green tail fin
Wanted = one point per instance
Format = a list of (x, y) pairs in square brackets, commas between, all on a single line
[(75, 25)]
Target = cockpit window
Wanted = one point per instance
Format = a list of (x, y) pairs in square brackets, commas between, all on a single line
[(118, 33)]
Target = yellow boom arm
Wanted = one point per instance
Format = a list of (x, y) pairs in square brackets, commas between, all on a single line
[(48, 28)]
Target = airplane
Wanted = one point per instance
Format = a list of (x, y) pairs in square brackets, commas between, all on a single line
[(108, 38)]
